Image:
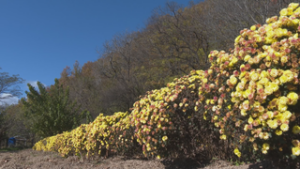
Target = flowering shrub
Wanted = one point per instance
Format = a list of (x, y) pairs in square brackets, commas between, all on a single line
[(248, 97), (86, 139), (261, 95)]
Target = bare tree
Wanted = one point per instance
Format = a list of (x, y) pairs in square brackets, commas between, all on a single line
[(9, 85), (179, 39), (225, 18), (120, 65)]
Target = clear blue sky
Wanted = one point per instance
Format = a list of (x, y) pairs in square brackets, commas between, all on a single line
[(39, 38)]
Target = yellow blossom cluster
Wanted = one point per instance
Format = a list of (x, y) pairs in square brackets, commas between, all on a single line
[(152, 116), (148, 123), (88, 139), (260, 90)]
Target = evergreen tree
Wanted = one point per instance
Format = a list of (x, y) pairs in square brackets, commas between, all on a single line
[(50, 110)]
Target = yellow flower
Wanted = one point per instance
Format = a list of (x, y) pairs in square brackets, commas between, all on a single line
[(286, 115), (234, 60), (293, 98), (274, 86), (293, 6), (264, 151), (215, 117), (233, 80), (244, 112), (257, 38), (296, 129), (274, 72), (266, 146), (284, 12), (247, 57), (282, 107), (247, 93), (283, 79), (296, 151), (245, 105), (164, 138), (242, 75), (256, 104), (158, 157), (264, 74), (284, 127), (254, 76), (264, 135), (250, 120), (234, 100), (268, 90), (223, 137), (278, 132), (297, 10), (236, 40), (264, 81), (283, 100), (272, 124), (270, 114), (280, 117), (159, 125), (284, 59), (259, 86), (289, 75), (253, 28), (207, 101), (237, 152)]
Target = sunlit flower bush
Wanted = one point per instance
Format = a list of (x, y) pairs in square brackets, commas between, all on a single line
[(248, 98)]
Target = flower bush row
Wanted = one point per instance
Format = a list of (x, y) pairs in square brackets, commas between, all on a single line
[(249, 96)]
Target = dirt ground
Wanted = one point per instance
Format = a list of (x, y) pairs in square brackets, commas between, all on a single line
[(30, 159)]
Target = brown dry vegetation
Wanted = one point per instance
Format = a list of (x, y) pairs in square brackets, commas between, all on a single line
[(30, 159)]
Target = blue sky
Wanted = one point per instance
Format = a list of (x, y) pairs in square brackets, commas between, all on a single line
[(39, 38)]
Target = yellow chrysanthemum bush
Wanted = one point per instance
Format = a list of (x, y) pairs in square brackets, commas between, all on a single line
[(59, 143), (87, 139), (245, 104), (166, 121), (257, 103), (122, 137), (174, 121)]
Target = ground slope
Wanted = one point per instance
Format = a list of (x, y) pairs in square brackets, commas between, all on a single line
[(31, 159)]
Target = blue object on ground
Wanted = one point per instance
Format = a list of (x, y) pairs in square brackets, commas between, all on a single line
[(11, 141)]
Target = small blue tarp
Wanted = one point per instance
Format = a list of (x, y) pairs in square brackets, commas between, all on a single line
[(11, 141)]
